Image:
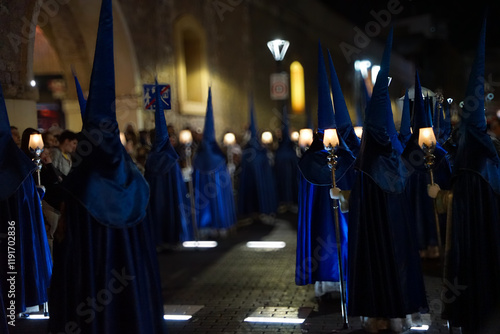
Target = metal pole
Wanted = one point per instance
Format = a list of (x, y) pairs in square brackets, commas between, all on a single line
[(191, 194), (332, 164)]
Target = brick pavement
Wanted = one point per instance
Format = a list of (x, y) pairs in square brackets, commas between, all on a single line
[(231, 282)]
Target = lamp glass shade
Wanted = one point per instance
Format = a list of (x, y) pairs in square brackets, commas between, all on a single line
[(295, 136), (267, 137), (185, 137), (278, 48), (36, 141), (426, 138), (229, 139), (358, 130), (330, 138), (305, 137)]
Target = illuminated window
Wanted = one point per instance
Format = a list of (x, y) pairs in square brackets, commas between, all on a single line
[(191, 65), (297, 88)]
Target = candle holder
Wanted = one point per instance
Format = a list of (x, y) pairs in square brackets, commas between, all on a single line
[(36, 147), (229, 141), (427, 141), (186, 138), (331, 142)]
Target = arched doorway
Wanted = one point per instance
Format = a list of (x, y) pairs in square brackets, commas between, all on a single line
[(65, 39)]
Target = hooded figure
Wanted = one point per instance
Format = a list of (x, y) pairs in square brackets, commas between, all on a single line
[(81, 98), (342, 118), (384, 275), (474, 260), (212, 181), (22, 230), (316, 258), (404, 129), (169, 205), (285, 166), (419, 177), (106, 254), (257, 186)]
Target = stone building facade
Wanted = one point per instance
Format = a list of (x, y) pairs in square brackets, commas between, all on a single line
[(191, 45)]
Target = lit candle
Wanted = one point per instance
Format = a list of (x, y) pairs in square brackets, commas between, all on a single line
[(305, 137), (229, 139), (330, 138), (295, 136), (267, 137), (123, 139), (185, 137), (426, 138), (36, 142), (358, 130)]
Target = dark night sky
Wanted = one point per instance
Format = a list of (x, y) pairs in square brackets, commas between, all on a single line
[(463, 18)]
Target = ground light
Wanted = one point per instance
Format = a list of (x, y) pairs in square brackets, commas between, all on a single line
[(266, 244), (420, 328), (199, 244)]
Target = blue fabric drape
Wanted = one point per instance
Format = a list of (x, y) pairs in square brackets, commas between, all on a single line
[(169, 205), (33, 263), (474, 267), (170, 208), (316, 256), (384, 275), (105, 280), (257, 185), (214, 198)]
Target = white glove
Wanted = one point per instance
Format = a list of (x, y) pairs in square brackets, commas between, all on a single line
[(335, 193), (433, 190), (186, 173)]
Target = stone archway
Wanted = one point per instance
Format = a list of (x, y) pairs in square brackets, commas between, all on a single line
[(70, 26)]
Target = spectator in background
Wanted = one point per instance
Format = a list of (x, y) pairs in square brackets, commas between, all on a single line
[(15, 135), (49, 140), (61, 155)]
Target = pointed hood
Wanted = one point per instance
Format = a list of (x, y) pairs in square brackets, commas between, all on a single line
[(476, 151), (377, 157), (285, 130), (162, 139), (313, 164), (391, 128), (254, 140), (253, 125), (376, 114), (209, 127), (309, 121), (342, 118), (162, 156), (421, 117), (326, 117), (15, 166), (437, 116), (81, 99), (404, 130), (102, 165), (445, 122), (209, 156)]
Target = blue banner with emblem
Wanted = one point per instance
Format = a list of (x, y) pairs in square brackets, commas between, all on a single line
[(150, 100)]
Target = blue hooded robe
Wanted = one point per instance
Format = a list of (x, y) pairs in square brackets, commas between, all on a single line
[(316, 258), (169, 204), (212, 181), (384, 275), (257, 186), (106, 277), (474, 259), (22, 230)]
